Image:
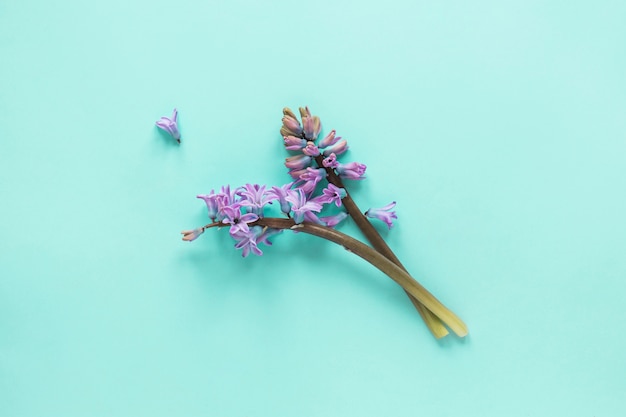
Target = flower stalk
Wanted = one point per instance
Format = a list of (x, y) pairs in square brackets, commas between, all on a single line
[(432, 321)]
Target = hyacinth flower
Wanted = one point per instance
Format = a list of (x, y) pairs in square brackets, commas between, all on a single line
[(245, 210), (170, 125), (383, 213)]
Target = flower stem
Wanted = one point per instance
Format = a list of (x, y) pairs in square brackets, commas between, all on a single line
[(410, 285), (433, 323)]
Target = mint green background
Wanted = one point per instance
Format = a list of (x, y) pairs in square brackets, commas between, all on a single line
[(499, 128)]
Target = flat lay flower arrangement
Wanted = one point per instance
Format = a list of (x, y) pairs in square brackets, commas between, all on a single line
[(315, 202)]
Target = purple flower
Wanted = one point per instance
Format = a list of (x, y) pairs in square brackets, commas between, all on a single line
[(247, 241), (332, 221), (338, 148), (295, 173), (293, 143), (311, 177), (280, 194), (255, 197), (351, 170), (237, 221), (291, 125), (311, 124), (310, 149), (298, 162), (329, 139), (331, 194), (300, 206), (191, 235), (383, 213), (330, 161), (211, 203), (170, 125)]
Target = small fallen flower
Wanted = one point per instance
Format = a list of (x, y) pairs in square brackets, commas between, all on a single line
[(170, 125)]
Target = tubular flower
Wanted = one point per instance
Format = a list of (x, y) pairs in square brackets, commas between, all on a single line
[(255, 198), (311, 177), (338, 148), (351, 170), (329, 139), (298, 161), (170, 125), (237, 221), (293, 143), (311, 124), (383, 213), (331, 194), (211, 203), (291, 125), (300, 206), (310, 149), (280, 194), (247, 241), (332, 221), (330, 161)]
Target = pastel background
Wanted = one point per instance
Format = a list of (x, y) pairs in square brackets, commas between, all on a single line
[(498, 127)]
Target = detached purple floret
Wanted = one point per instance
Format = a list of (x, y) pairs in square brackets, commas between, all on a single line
[(383, 213), (170, 125)]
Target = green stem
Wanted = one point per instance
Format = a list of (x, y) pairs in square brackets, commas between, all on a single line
[(371, 234)]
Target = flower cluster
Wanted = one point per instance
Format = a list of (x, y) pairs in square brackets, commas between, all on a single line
[(302, 139), (242, 207)]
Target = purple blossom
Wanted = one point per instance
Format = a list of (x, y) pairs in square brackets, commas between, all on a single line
[(311, 124), (211, 203), (311, 177), (383, 213), (330, 161), (310, 149), (332, 221), (298, 161), (237, 221), (338, 148), (300, 206), (291, 125), (255, 197), (280, 194), (295, 173), (247, 241), (170, 125), (351, 170), (329, 139), (293, 143), (331, 194), (191, 235)]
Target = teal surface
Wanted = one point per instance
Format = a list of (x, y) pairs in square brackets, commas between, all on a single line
[(498, 127)]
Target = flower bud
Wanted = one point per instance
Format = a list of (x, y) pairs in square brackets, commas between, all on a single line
[(310, 149), (298, 162), (338, 148), (293, 143), (329, 139)]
